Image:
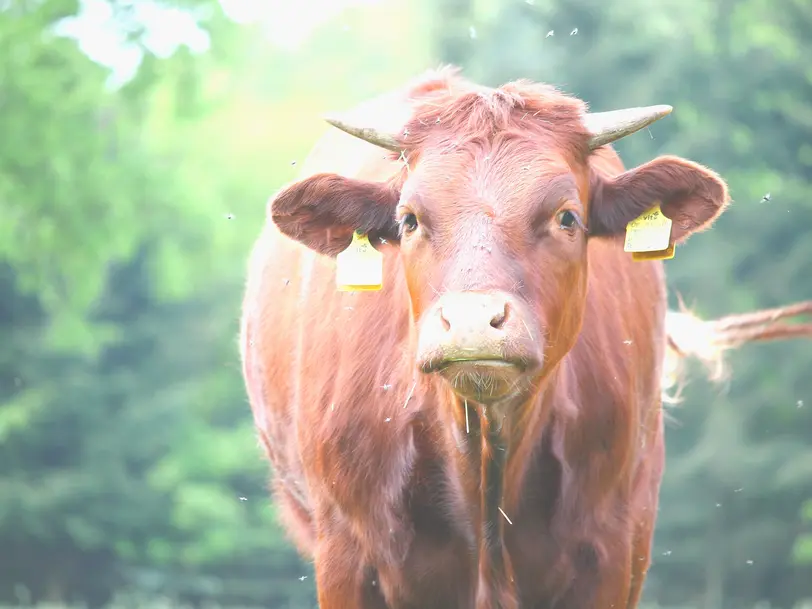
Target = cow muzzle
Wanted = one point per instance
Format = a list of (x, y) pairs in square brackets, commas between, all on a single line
[(482, 344)]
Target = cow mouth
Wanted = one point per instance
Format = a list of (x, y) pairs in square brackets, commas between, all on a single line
[(481, 379)]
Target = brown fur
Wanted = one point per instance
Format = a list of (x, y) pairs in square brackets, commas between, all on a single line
[(376, 477)]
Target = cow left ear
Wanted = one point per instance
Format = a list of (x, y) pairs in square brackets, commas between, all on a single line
[(691, 195)]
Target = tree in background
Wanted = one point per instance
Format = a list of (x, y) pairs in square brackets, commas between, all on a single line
[(122, 439)]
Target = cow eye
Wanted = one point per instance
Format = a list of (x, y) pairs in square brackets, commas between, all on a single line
[(408, 223), (568, 220)]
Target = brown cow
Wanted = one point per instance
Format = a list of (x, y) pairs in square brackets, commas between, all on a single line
[(486, 430)]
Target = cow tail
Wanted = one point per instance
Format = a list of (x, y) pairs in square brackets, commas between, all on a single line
[(689, 336)]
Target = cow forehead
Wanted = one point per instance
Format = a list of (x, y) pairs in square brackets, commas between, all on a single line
[(497, 180)]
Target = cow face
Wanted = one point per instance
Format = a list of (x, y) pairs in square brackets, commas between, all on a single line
[(493, 242), (492, 228)]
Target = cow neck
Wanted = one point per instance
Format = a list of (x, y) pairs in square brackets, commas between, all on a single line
[(494, 443), (493, 447), (494, 563)]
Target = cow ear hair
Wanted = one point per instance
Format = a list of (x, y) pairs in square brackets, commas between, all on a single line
[(691, 195), (323, 211)]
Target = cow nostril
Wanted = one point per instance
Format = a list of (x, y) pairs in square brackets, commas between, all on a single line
[(444, 321), (498, 320)]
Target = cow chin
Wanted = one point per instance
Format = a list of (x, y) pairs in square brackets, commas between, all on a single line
[(483, 380), (480, 343)]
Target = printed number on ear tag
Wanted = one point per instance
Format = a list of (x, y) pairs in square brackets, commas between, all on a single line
[(648, 237), (359, 268)]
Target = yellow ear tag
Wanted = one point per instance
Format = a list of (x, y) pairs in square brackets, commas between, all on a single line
[(648, 237), (359, 268)]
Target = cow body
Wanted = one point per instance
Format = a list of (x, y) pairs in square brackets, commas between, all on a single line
[(387, 476)]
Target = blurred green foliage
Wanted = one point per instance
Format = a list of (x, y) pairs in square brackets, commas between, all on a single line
[(128, 461)]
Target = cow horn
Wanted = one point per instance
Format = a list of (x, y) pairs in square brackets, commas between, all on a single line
[(368, 134), (604, 127), (608, 127)]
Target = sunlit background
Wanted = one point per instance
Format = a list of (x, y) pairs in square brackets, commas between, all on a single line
[(139, 143)]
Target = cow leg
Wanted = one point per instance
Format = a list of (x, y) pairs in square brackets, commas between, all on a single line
[(342, 581), (641, 560), (605, 584), (644, 534), (648, 502)]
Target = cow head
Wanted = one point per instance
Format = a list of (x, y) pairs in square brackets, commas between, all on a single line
[(492, 216)]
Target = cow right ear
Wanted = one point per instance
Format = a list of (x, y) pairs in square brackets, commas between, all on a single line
[(323, 211)]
